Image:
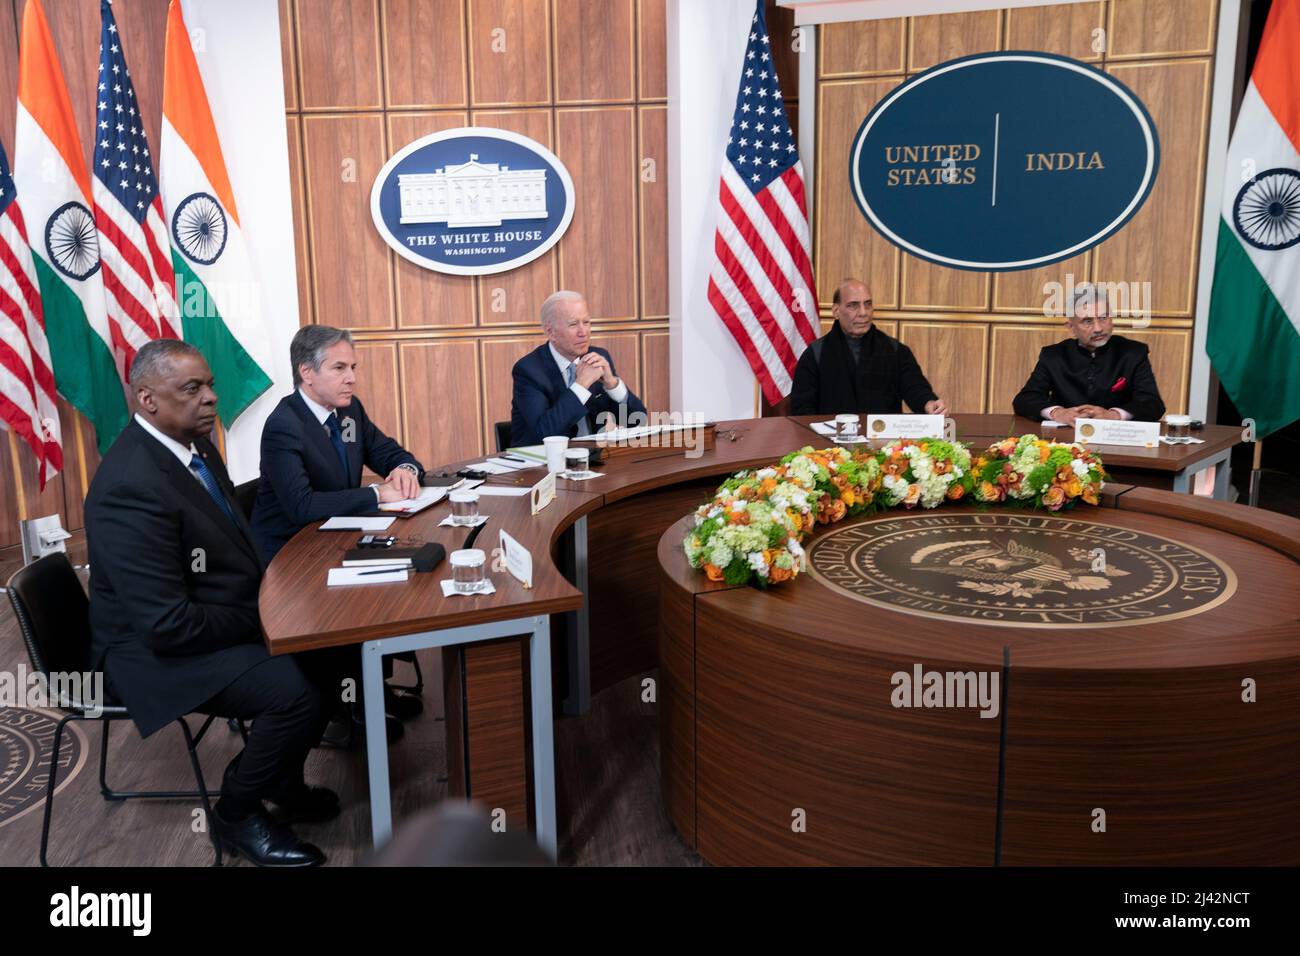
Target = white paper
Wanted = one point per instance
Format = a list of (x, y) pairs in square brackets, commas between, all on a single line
[(490, 469), (505, 491), (448, 523), (449, 589), (426, 497), (509, 465), (616, 435), (341, 576), (574, 476), (1053, 424), (519, 561), (1109, 431), (1166, 440), (345, 523), (824, 428), (904, 426), (534, 452)]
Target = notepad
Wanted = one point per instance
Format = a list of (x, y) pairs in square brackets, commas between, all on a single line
[(341, 576), (823, 428), (354, 523), (410, 506)]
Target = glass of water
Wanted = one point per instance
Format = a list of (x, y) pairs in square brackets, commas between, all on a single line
[(846, 428), (464, 507), (468, 571), (1178, 427), (576, 461)]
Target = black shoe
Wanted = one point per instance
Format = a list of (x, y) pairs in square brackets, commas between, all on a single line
[(338, 734), (304, 804), (402, 705), (264, 842)]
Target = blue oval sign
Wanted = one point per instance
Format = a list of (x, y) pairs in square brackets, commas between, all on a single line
[(1003, 161), (472, 201)]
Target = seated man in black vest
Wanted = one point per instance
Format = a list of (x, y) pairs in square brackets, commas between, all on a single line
[(174, 576), (855, 367), (1094, 374)]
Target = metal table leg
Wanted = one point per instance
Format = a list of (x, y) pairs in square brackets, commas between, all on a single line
[(578, 700), (372, 682), (539, 651)]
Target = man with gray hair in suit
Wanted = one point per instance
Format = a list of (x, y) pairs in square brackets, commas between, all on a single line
[(565, 385)]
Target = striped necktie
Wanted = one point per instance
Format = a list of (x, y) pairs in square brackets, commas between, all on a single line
[(200, 468)]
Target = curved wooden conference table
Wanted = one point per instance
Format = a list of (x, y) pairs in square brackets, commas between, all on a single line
[(608, 537)]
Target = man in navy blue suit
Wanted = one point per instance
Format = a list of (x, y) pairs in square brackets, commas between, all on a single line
[(313, 446), (567, 386), (315, 442)]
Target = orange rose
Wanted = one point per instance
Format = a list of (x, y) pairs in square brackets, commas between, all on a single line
[(838, 510), (713, 571), (1054, 498), (768, 486), (776, 575), (942, 467), (987, 491), (913, 495), (956, 492), (1090, 494)]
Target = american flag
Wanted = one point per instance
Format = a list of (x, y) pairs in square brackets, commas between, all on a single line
[(139, 283), (761, 283), (27, 400)]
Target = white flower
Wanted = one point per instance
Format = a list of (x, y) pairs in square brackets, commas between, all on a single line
[(1079, 467), (764, 473), (740, 504), (758, 563)]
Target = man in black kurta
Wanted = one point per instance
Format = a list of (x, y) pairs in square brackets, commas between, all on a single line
[(855, 367), (1095, 374)]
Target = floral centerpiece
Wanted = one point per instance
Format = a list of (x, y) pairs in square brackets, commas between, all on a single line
[(1035, 472), (752, 531), (925, 472)]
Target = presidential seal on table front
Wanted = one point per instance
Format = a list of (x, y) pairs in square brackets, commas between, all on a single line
[(1021, 570)]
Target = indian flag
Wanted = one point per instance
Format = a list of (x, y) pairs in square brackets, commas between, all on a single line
[(216, 288), (50, 174), (1254, 328)]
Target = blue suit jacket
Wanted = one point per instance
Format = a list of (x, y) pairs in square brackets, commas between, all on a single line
[(544, 405), (301, 479)]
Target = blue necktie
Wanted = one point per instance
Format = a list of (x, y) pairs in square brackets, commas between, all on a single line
[(336, 439), (571, 374), (199, 468)]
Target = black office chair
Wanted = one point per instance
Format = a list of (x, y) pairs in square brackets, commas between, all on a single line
[(54, 618), (503, 435), (245, 495)]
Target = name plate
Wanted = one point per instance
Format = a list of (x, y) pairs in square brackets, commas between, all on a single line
[(519, 561), (1106, 431), (543, 493), (904, 426)]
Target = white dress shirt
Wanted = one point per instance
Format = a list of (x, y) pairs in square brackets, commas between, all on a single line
[(322, 413), (618, 393), (183, 454)]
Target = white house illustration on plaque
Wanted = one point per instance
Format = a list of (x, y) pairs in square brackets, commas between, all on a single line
[(473, 194)]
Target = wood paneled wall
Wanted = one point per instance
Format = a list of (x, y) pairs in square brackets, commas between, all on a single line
[(586, 78), (977, 334)]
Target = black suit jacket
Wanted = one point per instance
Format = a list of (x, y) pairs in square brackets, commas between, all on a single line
[(1117, 375), (173, 580), (301, 480), (886, 374), (543, 404)]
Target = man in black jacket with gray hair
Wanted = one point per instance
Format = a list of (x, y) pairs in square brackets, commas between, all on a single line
[(174, 576)]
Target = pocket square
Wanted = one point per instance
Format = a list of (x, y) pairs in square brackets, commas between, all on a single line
[(1119, 384)]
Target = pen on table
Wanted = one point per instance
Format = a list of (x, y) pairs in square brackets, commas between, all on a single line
[(387, 570), (522, 461)]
